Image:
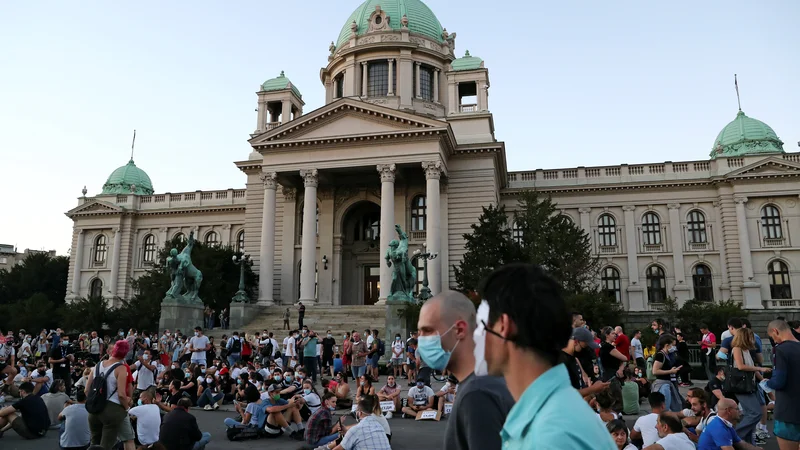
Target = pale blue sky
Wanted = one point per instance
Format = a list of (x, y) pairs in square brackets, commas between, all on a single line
[(572, 83)]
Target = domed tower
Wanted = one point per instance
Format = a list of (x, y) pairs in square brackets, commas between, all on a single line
[(395, 53), (279, 101), (746, 136), (128, 179)]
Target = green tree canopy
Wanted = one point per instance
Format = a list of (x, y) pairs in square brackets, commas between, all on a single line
[(38, 273)]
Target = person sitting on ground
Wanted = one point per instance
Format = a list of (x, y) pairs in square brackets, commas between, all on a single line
[(320, 429), (645, 426), (32, 421), (605, 400), (701, 410), (719, 434), (41, 379), (175, 394), (210, 395), (148, 417), (714, 388), (630, 394), (364, 387), (670, 433), (290, 386), (179, 430), (619, 432), (309, 401), (369, 433), (55, 401), (640, 377), (282, 416), (376, 411), (391, 393), (227, 385), (340, 389), (420, 398), (253, 415), (76, 435), (447, 394)]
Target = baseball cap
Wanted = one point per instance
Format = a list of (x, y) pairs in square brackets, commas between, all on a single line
[(273, 387), (583, 335), (223, 371)]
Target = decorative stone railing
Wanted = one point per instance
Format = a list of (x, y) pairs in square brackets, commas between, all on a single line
[(188, 199), (468, 108)]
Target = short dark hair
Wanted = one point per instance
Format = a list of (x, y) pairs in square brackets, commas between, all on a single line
[(663, 340), (80, 395), (656, 399), (176, 384), (703, 326), (746, 323), (635, 332), (672, 422), (532, 298), (327, 396), (368, 403), (27, 387), (735, 322), (198, 329), (185, 402), (617, 425), (794, 323)]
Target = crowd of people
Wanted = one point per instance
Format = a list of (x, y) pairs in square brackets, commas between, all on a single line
[(520, 376)]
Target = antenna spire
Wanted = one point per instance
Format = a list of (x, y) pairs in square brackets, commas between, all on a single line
[(133, 142), (736, 84)]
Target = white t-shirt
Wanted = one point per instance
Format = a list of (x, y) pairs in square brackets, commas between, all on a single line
[(6, 352), (286, 343), (94, 347), (274, 346), (236, 372), (397, 349), (369, 341), (199, 342), (449, 398), (705, 421), (145, 377), (676, 441), (725, 335), (148, 422), (638, 351), (290, 347), (647, 426), (420, 396), (319, 349), (313, 402)]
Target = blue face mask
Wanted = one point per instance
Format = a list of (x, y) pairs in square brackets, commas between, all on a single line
[(139, 402), (431, 351)]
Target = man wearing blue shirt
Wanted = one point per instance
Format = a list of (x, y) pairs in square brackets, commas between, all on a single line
[(528, 325), (719, 433)]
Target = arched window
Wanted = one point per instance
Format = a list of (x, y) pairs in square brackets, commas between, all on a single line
[(516, 232), (696, 226), (771, 222), (651, 229), (703, 285), (149, 254), (780, 287), (656, 284), (180, 237), (212, 239), (368, 227), (240, 242), (610, 283), (607, 231), (96, 288), (301, 220), (419, 213), (100, 249)]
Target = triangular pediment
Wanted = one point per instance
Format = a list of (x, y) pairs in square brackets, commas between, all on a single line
[(94, 207), (769, 167), (344, 118)]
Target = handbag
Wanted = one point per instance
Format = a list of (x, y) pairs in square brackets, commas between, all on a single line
[(738, 381)]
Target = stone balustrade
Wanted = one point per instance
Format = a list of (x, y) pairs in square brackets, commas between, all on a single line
[(183, 199)]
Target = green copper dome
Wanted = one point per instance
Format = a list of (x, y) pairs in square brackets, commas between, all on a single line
[(420, 18), (746, 136), (121, 180), (467, 62), (280, 83)]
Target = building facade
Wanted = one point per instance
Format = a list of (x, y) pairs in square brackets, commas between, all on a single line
[(9, 256), (406, 137)]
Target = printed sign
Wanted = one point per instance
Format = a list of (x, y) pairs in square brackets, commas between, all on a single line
[(430, 414), (448, 407), (387, 406)]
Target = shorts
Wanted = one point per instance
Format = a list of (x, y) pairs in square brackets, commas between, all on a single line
[(397, 362), (787, 431), (22, 429), (126, 430), (272, 431), (373, 360)]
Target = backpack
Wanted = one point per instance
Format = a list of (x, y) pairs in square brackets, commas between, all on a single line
[(98, 392), (381, 347), (236, 347), (267, 349)]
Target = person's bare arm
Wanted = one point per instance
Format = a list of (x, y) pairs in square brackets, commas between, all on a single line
[(430, 402), (654, 447), (738, 357), (617, 354), (122, 381), (635, 434)]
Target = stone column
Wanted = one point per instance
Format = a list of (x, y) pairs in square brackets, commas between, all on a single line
[(76, 271), (163, 238), (751, 290), (433, 172), (387, 172), (286, 112), (364, 79), (112, 285), (586, 222), (436, 85), (635, 290), (266, 267), (309, 242), (391, 78), (225, 237), (681, 289), (418, 90), (262, 113)]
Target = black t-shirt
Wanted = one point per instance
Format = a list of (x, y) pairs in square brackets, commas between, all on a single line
[(608, 361), (226, 385), (586, 358), (713, 385), (683, 351), (212, 386), (574, 370), (60, 352), (173, 398), (482, 404), (666, 364), (34, 413), (327, 345)]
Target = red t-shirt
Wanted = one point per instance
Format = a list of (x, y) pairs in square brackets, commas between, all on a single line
[(623, 345), (597, 351)]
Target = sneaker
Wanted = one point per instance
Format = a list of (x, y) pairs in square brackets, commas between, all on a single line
[(207, 407), (216, 406), (388, 415)]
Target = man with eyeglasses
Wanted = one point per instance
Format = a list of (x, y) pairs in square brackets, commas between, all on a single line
[(719, 434)]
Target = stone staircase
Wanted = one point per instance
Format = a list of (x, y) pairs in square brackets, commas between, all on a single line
[(338, 319)]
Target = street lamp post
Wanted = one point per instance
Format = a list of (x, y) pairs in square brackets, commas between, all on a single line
[(241, 261), (425, 291)]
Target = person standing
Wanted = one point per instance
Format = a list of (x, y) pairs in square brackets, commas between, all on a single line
[(708, 344), (637, 350), (310, 354), (286, 315), (743, 342), (60, 359), (613, 362), (199, 345), (301, 313), (622, 343), (95, 347), (358, 351), (106, 425), (327, 351), (448, 331), (785, 381), (527, 326)]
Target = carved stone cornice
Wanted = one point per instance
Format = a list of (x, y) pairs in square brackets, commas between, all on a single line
[(310, 177), (289, 193), (387, 172), (740, 199), (269, 179), (584, 210), (673, 205), (629, 208), (433, 169)]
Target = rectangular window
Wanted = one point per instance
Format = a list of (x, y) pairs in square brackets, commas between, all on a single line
[(339, 87), (426, 83), (378, 79)]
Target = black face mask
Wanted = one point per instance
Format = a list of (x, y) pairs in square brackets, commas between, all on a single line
[(42, 372)]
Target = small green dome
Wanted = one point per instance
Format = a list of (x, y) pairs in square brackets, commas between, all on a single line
[(420, 18), (746, 136), (121, 180), (280, 83), (467, 62)]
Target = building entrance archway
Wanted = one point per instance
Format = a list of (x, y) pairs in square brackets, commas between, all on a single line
[(361, 254)]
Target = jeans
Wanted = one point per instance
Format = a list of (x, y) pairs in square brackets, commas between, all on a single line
[(358, 371), (230, 423), (207, 398), (710, 365), (310, 363), (233, 358), (751, 415), (667, 392), (198, 361), (201, 444), (326, 440)]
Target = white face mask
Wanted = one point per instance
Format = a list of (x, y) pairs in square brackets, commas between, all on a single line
[(479, 336)]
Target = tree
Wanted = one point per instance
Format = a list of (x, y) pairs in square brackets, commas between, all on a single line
[(488, 247), (37, 273), (715, 315), (86, 314), (33, 314)]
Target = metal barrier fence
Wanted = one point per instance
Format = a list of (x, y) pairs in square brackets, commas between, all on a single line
[(695, 354)]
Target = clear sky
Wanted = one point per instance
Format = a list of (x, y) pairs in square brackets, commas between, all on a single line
[(575, 83)]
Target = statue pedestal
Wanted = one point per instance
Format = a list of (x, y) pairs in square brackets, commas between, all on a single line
[(180, 316), (243, 313), (394, 323)]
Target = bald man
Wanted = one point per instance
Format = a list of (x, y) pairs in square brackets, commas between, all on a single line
[(719, 433), (446, 326), (785, 381)]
